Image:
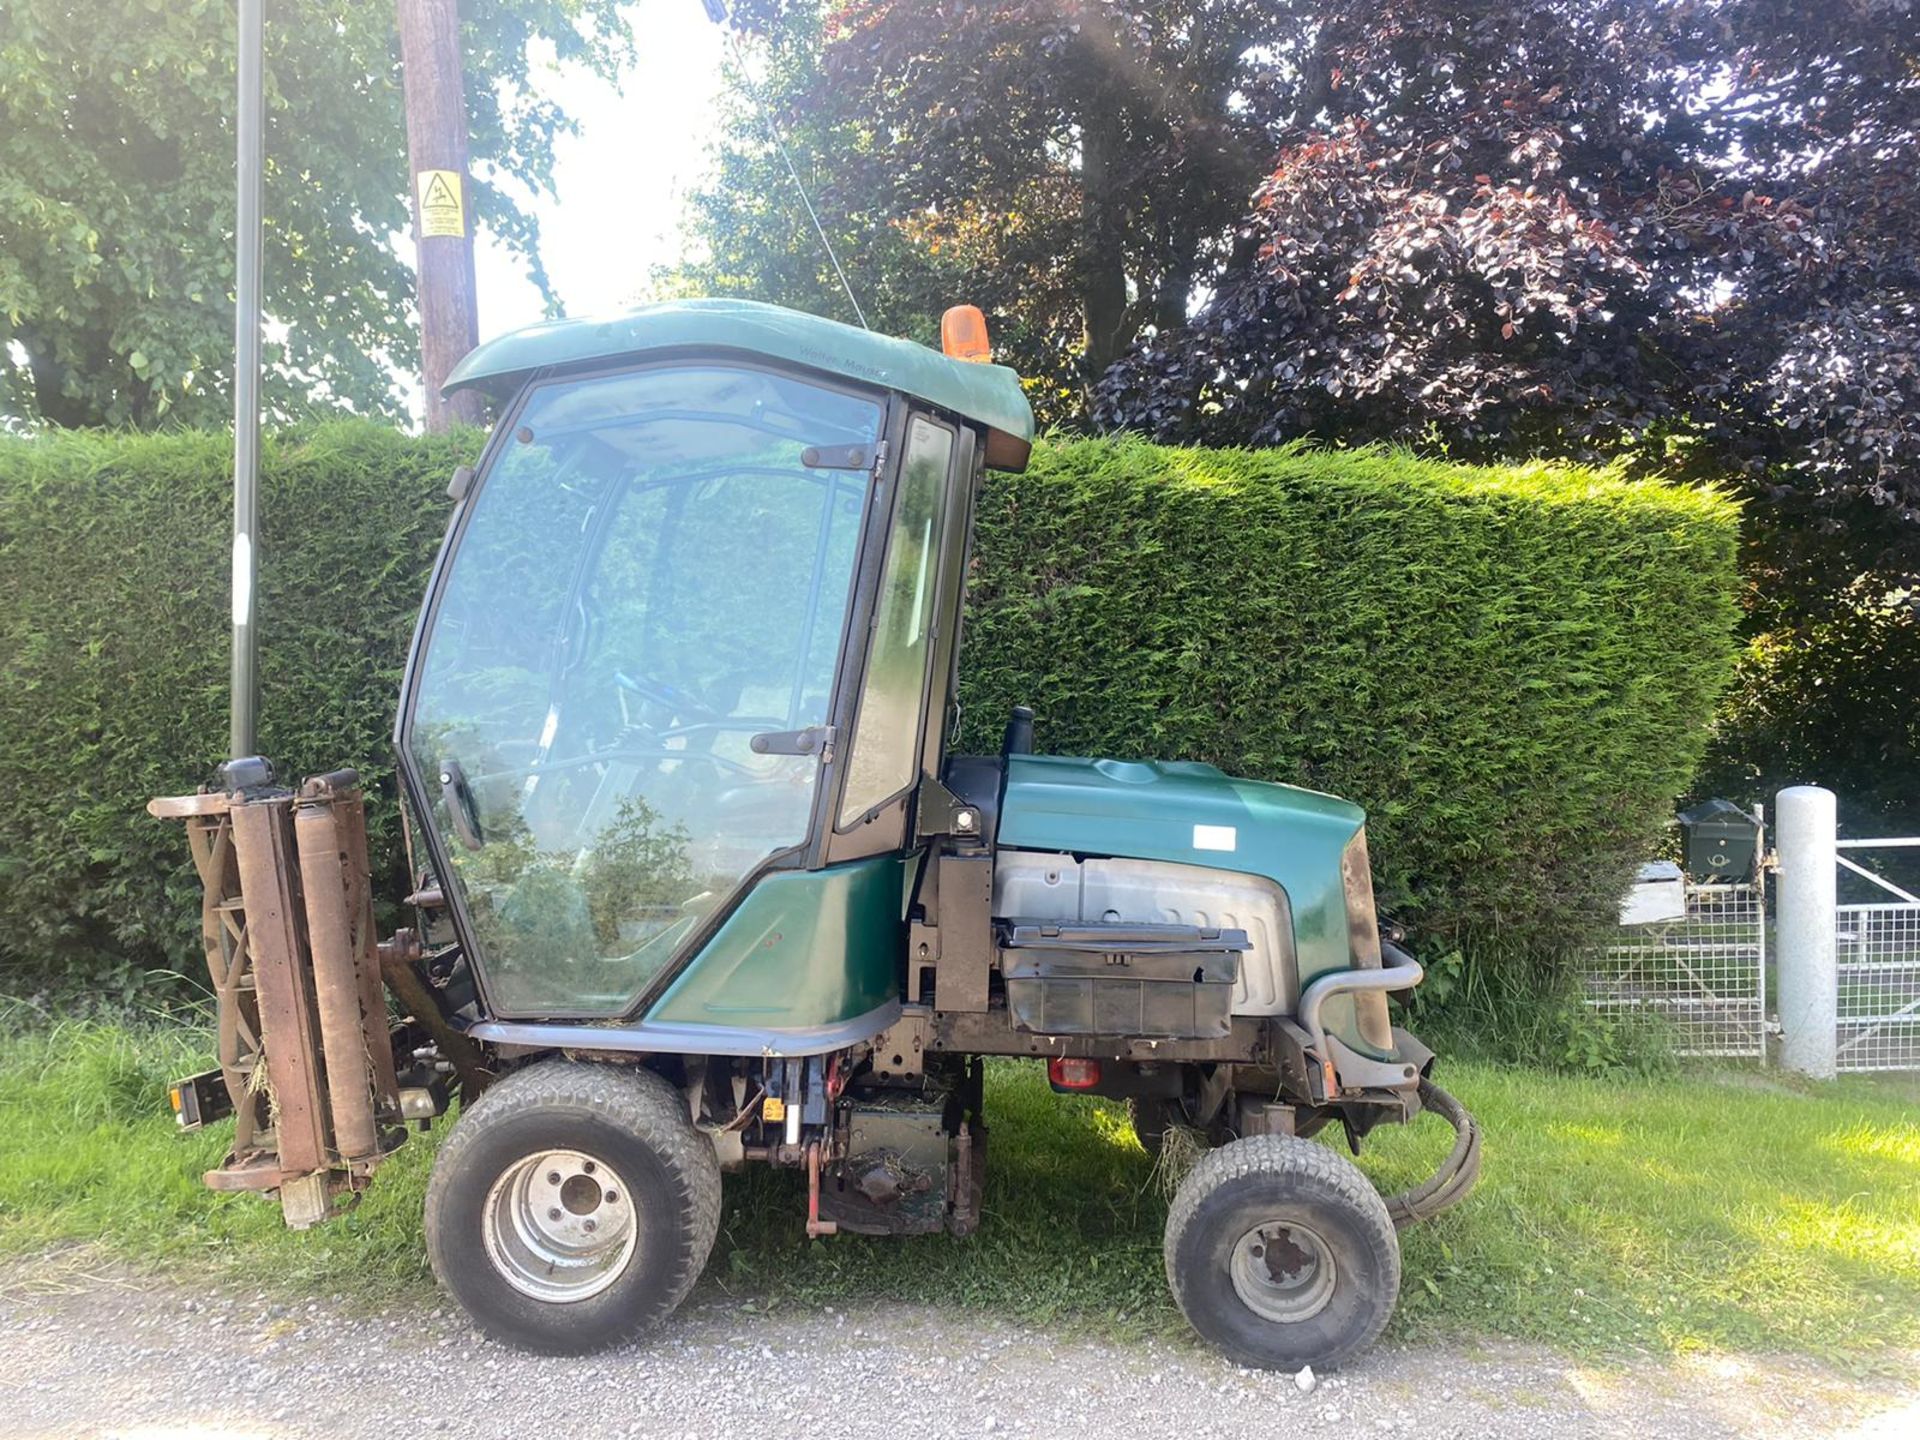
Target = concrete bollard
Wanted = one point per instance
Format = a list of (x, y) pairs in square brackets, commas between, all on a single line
[(1804, 829)]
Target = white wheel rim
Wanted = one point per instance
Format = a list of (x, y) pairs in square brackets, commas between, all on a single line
[(559, 1226), (1283, 1271)]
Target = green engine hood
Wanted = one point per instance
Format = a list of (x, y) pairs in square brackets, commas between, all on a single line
[(1192, 814)]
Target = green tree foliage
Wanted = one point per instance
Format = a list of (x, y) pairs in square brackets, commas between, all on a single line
[(1511, 668), (1826, 690), (1075, 168), (116, 195), (751, 235)]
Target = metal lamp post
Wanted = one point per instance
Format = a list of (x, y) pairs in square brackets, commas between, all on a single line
[(244, 680)]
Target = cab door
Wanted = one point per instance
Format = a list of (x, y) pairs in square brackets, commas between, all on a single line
[(616, 715)]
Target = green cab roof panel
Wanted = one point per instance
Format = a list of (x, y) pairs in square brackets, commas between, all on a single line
[(989, 395)]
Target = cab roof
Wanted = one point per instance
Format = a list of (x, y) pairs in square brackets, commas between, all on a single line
[(988, 395)]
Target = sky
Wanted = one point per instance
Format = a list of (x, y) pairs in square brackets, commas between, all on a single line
[(621, 179)]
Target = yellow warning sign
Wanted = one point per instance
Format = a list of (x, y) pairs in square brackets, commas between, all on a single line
[(441, 209)]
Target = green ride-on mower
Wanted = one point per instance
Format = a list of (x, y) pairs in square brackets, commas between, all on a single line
[(700, 886)]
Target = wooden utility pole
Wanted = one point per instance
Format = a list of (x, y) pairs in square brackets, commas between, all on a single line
[(442, 208)]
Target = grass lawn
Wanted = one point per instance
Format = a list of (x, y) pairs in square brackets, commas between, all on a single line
[(1714, 1209)]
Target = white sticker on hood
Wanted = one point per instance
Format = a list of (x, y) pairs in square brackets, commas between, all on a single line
[(1215, 837)]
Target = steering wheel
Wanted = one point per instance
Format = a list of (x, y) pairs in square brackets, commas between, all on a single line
[(680, 702)]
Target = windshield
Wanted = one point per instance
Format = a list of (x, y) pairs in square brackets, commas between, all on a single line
[(653, 573)]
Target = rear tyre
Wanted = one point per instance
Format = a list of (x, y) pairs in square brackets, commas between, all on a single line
[(1282, 1254), (573, 1206)]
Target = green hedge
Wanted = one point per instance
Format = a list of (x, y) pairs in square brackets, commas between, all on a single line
[(113, 660), (1512, 669)]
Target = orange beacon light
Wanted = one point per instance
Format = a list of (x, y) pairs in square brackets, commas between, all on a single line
[(963, 334)]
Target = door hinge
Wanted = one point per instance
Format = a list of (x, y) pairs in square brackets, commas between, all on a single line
[(814, 740)]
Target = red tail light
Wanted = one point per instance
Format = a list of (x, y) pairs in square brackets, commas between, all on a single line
[(1073, 1074)]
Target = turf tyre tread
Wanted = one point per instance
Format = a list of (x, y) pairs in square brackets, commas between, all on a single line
[(1223, 1196), (557, 1103)]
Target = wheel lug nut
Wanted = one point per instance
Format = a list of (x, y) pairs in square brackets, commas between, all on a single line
[(553, 1177), (588, 1167), (554, 1214), (591, 1225), (613, 1197)]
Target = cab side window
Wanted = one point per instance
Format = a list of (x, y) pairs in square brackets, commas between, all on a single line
[(883, 758)]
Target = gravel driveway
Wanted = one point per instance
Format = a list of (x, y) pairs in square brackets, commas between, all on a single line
[(125, 1356)]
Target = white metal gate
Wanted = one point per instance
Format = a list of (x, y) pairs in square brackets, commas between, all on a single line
[(1877, 949), (1848, 954), (1705, 975)]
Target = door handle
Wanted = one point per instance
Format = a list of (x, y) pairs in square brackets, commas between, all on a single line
[(460, 807), (814, 740)]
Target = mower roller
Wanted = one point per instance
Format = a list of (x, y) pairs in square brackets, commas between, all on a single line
[(699, 885)]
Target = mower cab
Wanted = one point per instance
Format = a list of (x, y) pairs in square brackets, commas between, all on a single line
[(702, 885)]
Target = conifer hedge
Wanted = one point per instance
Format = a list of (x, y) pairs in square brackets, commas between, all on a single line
[(1512, 668), (113, 661)]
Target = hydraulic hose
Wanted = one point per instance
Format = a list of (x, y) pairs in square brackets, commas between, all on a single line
[(1449, 1184)]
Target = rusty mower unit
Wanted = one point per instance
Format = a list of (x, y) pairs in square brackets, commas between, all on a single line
[(701, 886)]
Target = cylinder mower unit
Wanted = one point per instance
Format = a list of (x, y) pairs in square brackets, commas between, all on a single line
[(306, 1054), (699, 884)]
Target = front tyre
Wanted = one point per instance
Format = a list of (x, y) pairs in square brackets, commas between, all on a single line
[(573, 1206), (1281, 1254)]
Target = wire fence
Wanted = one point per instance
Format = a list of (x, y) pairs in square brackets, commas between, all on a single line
[(1704, 976), (1878, 949)]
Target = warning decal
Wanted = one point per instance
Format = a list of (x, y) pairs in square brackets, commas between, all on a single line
[(441, 210)]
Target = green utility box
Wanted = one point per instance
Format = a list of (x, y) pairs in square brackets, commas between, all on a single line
[(1719, 841)]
